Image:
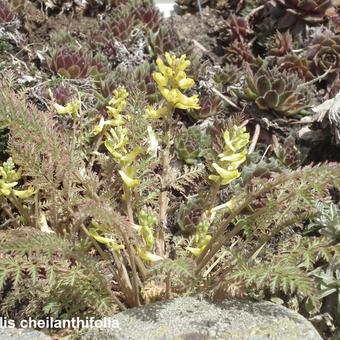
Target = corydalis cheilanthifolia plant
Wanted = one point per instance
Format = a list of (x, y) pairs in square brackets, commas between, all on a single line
[(171, 80), (228, 244), (117, 139), (9, 178), (226, 171)]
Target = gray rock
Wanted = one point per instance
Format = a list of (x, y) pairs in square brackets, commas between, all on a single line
[(189, 318), (22, 334)]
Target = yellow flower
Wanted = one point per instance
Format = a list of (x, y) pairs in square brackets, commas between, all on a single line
[(6, 188), (128, 180), (131, 156), (151, 113), (116, 106), (160, 79), (9, 178), (196, 251), (116, 140), (179, 100), (148, 256), (225, 176), (99, 128), (235, 153), (109, 241), (23, 194), (235, 159), (171, 80), (71, 108)]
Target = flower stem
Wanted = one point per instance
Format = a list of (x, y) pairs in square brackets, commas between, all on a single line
[(164, 199)]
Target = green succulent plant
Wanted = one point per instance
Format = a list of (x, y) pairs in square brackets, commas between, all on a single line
[(191, 145), (272, 89), (190, 215), (229, 75)]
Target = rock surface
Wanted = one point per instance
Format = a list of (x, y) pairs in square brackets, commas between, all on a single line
[(189, 318), (22, 334)]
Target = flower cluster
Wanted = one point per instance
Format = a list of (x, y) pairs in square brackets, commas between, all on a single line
[(171, 80), (117, 139), (115, 111), (202, 238), (234, 155), (147, 221), (9, 178)]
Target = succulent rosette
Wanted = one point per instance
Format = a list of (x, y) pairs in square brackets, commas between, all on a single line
[(324, 52), (272, 89), (293, 63), (191, 145), (295, 14), (71, 64)]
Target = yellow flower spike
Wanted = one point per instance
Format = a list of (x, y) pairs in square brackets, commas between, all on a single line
[(171, 80), (128, 181), (117, 105), (234, 155)]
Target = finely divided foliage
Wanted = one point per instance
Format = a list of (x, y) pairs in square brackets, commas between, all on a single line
[(135, 183), (98, 241)]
